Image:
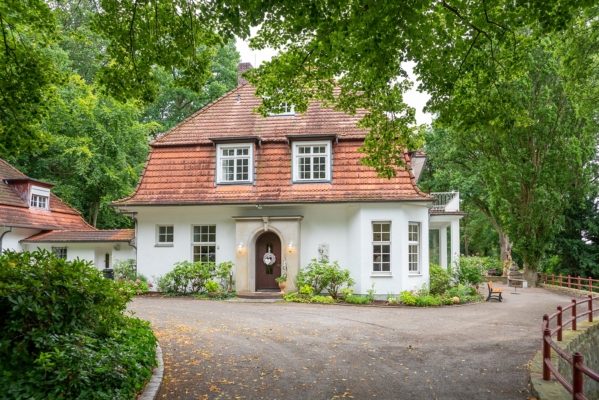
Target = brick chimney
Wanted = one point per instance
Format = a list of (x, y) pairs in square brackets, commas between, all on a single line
[(241, 68)]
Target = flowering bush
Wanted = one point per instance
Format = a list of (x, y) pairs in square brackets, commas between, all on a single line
[(322, 275), (136, 286)]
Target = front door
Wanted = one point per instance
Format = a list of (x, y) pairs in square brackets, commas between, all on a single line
[(268, 268)]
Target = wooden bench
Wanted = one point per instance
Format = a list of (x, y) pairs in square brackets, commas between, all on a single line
[(492, 272), (494, 293)]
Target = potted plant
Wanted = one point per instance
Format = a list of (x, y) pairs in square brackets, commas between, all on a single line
[(282, 280)]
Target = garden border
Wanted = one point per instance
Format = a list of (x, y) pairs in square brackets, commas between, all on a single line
[(153, 386)]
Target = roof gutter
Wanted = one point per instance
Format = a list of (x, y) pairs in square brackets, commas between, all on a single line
[(132, 215), (2, 237), (251, 203)]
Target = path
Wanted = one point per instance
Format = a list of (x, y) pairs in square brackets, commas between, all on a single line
[(217, 349)]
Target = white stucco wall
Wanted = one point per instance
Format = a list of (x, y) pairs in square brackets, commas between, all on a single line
[(346, 228), (11, 239), (94, 252)]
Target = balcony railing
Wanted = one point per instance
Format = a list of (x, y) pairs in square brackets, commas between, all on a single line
[(446, 201)]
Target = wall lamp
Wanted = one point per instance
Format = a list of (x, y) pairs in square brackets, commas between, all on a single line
[(240, 247), (290, 246)]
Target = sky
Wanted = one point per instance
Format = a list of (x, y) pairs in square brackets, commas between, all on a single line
[(412, 98)]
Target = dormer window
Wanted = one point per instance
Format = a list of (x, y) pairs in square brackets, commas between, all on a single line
[(285, 109), (235, 163), (40, 198), (312, 161)]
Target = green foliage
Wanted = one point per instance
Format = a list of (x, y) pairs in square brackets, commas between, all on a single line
[(440, 280), (212, 286), (305, 298), (193, 278), (428, 301), (322, 275), (136, 286), (370, 293), (357, 300), (174, 104), (408, 298), (306, 289), (124, 270), (282, 278), (470, 270), (63, 332), (466, 294)]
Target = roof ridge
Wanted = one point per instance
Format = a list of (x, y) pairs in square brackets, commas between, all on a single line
[(201, 110)]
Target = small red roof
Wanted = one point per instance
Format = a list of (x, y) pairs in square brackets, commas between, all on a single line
[(113, 235)]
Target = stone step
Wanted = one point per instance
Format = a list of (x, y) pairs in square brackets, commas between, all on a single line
[(260, 295)]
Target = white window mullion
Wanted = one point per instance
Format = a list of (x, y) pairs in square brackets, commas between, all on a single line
[(414, 248)]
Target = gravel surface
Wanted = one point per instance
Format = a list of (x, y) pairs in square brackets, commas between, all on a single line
[(219, 349)]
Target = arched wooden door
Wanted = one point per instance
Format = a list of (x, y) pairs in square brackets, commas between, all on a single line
[(266, 274)]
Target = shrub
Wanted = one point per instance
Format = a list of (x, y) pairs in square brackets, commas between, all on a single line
[(306, 289), (136, 286), (357, 300), (63, 332), (407, 298), (428, 301), (188, 277), (303, 298), (212, 286), (470, 270), (440, 280), (322, 275), (124, 270)]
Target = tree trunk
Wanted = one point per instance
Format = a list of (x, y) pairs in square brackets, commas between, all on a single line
[(505, 249), (95, 217), (531, 271)]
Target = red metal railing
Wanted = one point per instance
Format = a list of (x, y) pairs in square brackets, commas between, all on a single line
[(576, 360), (572, 282)]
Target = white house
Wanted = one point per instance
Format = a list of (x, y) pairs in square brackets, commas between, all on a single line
[(32, 217), (229, 185)]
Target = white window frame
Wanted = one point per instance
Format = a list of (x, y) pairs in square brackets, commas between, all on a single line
[(38, 194), (220, 158), (165, 243), (288, 110), (296, 156), (418, 252), (381, 243), (208, 243), (60, 252)]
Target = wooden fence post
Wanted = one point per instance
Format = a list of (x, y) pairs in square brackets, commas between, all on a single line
[(590, 306), (569, 282), (579, 282), (574, 314), (552, 279), (546, 354), (559, 323), (577, 382)]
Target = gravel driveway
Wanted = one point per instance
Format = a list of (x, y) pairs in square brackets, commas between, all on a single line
[(235, 350)]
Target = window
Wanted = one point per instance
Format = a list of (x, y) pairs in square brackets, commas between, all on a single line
[(312, 161), (60, 252), (381, 248), (414, 248), (165, 235), (204, 243), (235, 163), (38, 201), (283, 109)]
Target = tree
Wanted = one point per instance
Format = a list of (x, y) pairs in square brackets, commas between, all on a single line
[(174, 104), (533, 145), (453, 166), (96, 151), (360, 46)]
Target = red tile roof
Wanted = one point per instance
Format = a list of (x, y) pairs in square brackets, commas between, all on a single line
[(185, 175), (227, 117), (181, 166), (114, 235)]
